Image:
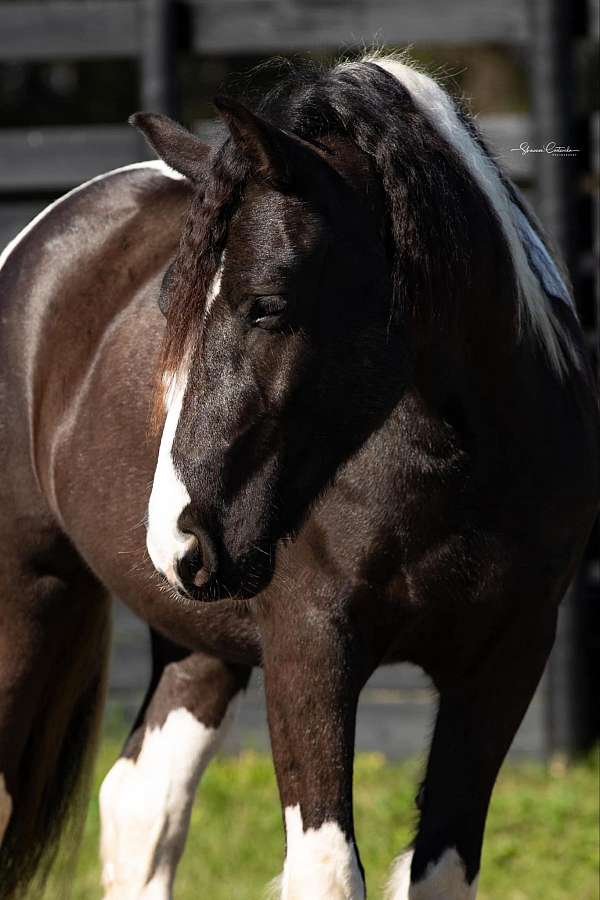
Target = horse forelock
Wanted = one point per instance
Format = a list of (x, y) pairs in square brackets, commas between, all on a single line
[(359, 104), (425, 184), (195, 272)]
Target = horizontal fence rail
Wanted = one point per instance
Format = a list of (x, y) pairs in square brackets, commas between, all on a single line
[(111, 28), (55, 159), (58, 158), (267, 26), (103, 29)]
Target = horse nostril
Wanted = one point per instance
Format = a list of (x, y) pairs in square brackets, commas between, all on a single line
[(199, 563), (189, 565), (202, 577)]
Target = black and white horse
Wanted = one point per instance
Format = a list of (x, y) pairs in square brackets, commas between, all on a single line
[(378, 441)]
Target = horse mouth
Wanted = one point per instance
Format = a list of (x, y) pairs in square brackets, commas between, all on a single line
[(206, 571), (235, 582)]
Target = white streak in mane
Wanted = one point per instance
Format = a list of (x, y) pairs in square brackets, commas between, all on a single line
[(437, 105), (157, 164)]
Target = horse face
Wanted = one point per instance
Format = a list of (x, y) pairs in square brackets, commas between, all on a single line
[(279, 381)]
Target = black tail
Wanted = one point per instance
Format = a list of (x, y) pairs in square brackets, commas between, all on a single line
[(56, 765)]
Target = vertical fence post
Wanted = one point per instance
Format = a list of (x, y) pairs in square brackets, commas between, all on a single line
[(158, 57), (553, 95), (594, 40)]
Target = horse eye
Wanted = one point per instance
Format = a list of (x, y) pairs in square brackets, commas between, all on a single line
[(266, 311)]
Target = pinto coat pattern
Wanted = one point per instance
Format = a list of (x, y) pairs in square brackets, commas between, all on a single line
[(378, 442)]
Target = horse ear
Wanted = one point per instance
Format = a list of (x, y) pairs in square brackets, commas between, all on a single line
[(276, 155), (174, 144)]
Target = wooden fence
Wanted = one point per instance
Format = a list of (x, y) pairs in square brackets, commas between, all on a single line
[(555, 39)]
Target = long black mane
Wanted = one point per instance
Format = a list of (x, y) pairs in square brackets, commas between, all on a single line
[(429, 195)]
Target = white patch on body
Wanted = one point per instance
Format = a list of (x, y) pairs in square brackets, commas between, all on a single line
[(165, 542), (145, 806), (320, 863), (443, 880), (156, 164), (438, 106), (5, 807)]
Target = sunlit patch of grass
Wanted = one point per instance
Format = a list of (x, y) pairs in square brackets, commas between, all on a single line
[(541, 841)]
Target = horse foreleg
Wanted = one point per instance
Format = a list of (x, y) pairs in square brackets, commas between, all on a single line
[(311, 702), (146, 798), (475, 725)]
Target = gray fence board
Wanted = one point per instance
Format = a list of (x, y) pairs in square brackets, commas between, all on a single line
[(395, 716), (102, 29), (108, 29), (54, 159), (59, 158), (236, 26)]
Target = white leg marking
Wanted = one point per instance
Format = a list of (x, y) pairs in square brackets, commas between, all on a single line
[(443, 880), (145, 806), (398, 885), (320, 863), (5, 807)]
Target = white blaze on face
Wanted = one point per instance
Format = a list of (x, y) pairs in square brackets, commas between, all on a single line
[(443, 880), (165, 542), (145, 806), (5, 807), (320, 863)]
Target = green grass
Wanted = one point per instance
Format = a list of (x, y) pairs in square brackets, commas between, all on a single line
[(541, 841)]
